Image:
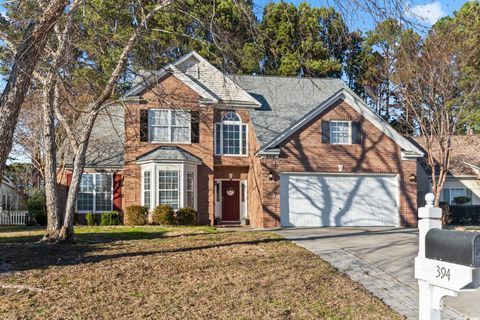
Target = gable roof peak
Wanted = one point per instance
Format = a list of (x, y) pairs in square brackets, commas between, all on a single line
[(200, 75)]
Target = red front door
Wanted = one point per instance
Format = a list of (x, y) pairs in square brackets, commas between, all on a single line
[(230, 200)]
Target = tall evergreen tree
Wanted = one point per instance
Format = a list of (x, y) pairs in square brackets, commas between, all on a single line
[(298, 41)]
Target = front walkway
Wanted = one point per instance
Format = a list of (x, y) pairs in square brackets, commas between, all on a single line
[(381, 259)]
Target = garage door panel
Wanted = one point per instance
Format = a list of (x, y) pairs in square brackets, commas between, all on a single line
[(339, 200)]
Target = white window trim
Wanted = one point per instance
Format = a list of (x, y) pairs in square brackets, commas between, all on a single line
[(169, 126), (178, 189), (349, 132), (241, 125), (149, 190), (451, 200), (94, 195), (194, 188), (182, 168)]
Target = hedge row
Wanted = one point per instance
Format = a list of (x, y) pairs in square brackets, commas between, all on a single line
[(163, 215), (462, 214), (105, 219)]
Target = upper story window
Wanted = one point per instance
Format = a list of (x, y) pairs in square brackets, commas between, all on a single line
[(340, 132), (95, 193), (231, 135), (170, 126)]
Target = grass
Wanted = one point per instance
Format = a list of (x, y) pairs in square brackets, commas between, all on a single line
[(173, 273)]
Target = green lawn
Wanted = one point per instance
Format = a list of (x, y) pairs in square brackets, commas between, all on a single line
[(173, 273)]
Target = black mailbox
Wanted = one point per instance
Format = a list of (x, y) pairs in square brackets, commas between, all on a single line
[(453, 246)]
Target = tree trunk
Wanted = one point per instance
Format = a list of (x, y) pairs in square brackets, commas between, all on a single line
[(26, 59), (78, 165), (54, 221), (66, 233)]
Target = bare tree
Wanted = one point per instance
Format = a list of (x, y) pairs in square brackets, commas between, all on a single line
[(429, 77), (27, 55), (79, 137), (50, 96)]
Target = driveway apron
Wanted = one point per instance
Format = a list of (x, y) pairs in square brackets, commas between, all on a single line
[(382, 260)]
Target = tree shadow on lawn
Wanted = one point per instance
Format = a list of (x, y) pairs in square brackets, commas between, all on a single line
[(19, 255)]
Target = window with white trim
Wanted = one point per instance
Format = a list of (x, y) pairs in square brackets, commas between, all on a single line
[(231, 135), (449, 195), (95, 193), (6, 202), (190, 201), (168, 187), (340, 132), (146, 188), (168, 126)]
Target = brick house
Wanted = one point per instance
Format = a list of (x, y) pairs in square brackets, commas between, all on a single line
[(267, 151)]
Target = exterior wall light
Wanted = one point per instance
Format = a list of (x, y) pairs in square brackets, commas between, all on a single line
[(412, 177), (272, 176)]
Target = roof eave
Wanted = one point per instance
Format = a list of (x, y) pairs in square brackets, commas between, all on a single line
[(171, 161), (360, 106), (268, 152)]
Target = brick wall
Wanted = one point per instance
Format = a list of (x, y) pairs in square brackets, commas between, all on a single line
[(170, 93), (305, 152)]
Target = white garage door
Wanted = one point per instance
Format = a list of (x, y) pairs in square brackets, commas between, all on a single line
[(315, 200)]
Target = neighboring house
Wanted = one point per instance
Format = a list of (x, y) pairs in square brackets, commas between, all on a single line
[(9, 200), (463, 178), (269, 151)]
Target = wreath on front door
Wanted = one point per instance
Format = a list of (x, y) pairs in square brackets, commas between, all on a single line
[(230, 191)]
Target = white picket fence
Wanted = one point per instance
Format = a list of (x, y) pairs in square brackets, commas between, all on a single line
[(13, 217)]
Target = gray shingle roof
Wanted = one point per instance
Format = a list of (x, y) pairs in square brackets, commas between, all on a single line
[(464, 158), (106, 147), (168, 153), (285, 100)]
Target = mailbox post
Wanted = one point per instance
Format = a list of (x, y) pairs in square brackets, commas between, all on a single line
[(447, 263)]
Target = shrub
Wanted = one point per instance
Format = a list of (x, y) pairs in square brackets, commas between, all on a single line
[(186, 217), (461, 200), (36, 208), (110, 219), (465, 215), (163, 214), (136, 215), (91, 218)]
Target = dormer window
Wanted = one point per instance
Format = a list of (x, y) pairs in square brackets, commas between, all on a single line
[(231, 136)]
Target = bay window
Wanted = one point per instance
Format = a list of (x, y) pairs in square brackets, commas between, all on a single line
[(169, 125), (173, 184), (95, 193), (231, 135)]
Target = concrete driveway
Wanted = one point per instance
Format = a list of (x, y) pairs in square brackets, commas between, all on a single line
[(381, 259)]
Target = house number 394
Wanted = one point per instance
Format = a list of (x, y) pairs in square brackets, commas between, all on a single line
[(443, 272)]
